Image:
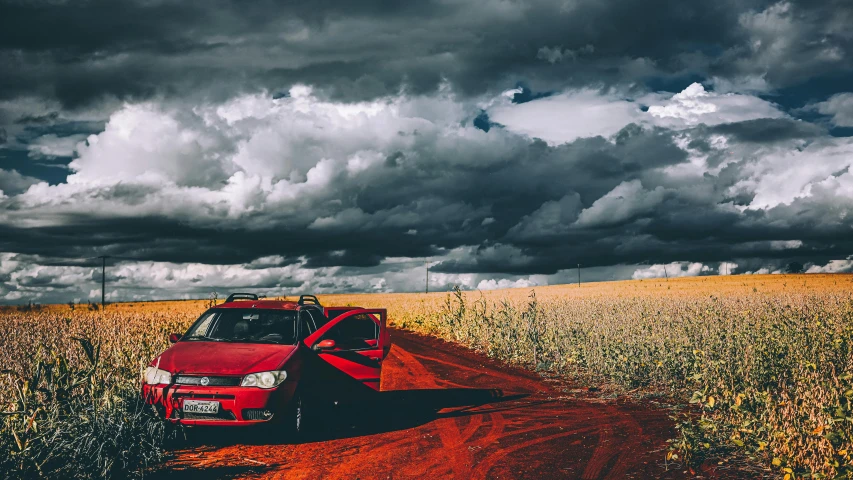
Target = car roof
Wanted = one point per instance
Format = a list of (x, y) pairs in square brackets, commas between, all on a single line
[(263, 304)]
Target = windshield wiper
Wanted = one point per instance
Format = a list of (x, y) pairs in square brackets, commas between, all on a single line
[(205, 337), (253, 340)]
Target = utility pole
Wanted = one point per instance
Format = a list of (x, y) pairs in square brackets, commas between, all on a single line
[(579, 275), (103, 280)]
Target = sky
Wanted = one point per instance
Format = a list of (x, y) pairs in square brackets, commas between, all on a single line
[(337, 146)]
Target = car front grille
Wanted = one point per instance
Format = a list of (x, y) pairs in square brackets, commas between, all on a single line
[(222, 415), (202, 396), (211, 381)]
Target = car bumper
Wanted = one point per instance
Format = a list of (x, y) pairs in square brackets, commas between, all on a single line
[(238, 406)]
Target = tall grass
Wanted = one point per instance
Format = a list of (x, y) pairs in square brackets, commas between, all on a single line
[(71, 398), (765, 364), (770, 375)]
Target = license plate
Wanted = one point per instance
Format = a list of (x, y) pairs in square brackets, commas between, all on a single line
[(201, 406)]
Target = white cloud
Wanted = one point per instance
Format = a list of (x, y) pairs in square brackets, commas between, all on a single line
[(726, 268), (695, 105), (268, 261), (147, 140), (566, 117), (833, 266), (760, 271), (26, 279), (840, 107), (835, 189), (466, 281), (674, 269), (280, 139), (51, 145), (785, 244), (253, 155), (625, 202), (583, 113), (779, 175), (492, 284), (13, 296)]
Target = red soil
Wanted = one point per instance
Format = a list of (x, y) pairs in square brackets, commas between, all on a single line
[(447, 412)]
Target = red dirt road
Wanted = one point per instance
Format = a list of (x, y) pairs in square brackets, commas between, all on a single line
[(446, 412)]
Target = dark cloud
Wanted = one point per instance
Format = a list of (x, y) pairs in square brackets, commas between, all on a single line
[(603, 201), (81, 51), (791, 42), (767, 130), (12, 182), (49, 118), (502, 142)]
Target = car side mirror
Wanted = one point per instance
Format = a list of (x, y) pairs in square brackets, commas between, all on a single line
[(174, 337), (325, 345)]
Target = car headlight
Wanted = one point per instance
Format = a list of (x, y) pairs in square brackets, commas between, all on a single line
[(155, 376), (264, 379)]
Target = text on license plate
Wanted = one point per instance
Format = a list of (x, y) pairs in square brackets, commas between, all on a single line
[(201, 406)]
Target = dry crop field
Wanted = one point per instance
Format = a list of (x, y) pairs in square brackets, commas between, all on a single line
[(764, 363)]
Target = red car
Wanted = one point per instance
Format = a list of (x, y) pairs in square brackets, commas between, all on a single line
[(251, 361)]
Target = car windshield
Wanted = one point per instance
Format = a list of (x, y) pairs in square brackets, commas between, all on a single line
[(245, 325)]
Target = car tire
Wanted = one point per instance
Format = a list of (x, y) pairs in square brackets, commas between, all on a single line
[(295, 418)]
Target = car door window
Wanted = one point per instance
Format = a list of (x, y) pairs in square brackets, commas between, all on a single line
[(307, 324), (318, 317), (201, 326), (358, 332)]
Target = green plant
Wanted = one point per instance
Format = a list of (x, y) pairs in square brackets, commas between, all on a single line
[(767, 375), (76, 422), (71, 406)]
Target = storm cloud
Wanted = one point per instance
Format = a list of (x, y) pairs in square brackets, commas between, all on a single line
[(338, 147)]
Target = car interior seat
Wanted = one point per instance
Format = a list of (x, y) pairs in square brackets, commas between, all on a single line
[(241, 329)]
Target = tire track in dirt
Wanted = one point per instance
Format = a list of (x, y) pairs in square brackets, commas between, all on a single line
[(507, 423)]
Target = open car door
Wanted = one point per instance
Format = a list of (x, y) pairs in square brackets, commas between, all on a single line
[(332, 312), (354, 342)]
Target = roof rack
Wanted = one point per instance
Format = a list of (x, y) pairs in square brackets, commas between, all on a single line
[(308, 298), (241, 296)]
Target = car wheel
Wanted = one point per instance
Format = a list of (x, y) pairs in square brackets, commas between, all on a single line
[(296, 416)]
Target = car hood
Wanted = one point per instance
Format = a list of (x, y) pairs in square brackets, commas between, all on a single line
[(223, 358)]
